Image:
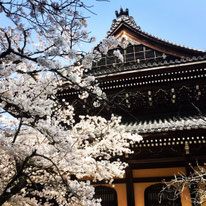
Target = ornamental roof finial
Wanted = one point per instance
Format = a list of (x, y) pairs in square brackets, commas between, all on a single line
[(118, 14)]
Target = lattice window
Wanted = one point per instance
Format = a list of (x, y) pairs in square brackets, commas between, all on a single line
[(107, 194), (139, 48), (153, 198), (150, 54), (110, 60)]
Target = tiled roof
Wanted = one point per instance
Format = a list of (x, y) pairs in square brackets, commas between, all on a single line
[(169, 42), (168, 124), (124, 18), (129, 20), (127, 67)]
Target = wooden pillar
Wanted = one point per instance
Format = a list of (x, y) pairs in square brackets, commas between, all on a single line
[(189, 171), (130, 187)]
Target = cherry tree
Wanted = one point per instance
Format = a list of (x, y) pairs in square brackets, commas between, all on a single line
[(43, 162)]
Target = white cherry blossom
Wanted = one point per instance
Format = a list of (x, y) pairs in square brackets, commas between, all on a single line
[(46, 154)]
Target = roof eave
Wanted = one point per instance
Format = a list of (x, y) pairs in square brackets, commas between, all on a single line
[(150, 69), (182, 49)]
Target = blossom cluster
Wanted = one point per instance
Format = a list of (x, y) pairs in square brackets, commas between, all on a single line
[(45, 152)]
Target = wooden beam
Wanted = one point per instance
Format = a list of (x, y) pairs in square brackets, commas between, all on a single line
[(116, 181), (152, 179), (163, 162), (156, 160), (137, 180), (130, 187), (157, 163)]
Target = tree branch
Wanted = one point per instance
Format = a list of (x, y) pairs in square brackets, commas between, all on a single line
[(12, 188), (18, 130)]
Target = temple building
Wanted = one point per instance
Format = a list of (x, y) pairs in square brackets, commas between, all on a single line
[(160, 91)]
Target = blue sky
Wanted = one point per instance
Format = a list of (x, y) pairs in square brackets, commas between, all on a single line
[(179, 21)]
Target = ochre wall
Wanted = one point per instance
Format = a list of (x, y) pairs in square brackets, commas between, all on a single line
[(139, 188), (121, 194), (185, 199), (160, 172)]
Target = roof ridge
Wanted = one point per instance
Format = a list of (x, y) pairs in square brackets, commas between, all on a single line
[(170, 42), (123, 17)]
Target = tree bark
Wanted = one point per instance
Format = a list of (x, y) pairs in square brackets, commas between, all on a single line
[(6, 195)]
